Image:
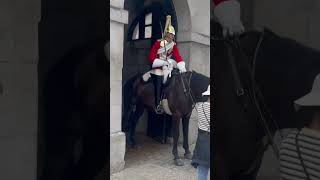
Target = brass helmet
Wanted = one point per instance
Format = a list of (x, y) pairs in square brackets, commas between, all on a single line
[(171, 30), (168, 27)]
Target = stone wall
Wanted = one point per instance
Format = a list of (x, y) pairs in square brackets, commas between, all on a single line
[(295, 19), (118, 17), (18, 82)]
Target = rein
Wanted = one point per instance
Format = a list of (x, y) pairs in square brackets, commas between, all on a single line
[(188, 92), (236, 44)]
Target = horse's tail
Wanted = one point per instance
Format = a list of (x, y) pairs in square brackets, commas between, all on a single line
[(129, 99)]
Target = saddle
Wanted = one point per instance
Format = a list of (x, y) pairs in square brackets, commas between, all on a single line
[(146, 77)]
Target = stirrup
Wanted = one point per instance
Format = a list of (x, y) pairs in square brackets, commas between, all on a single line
[(159, 109)]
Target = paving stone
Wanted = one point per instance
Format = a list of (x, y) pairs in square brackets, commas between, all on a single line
[(154, 161)]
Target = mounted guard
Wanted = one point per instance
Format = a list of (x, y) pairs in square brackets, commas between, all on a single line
[(162, 62)]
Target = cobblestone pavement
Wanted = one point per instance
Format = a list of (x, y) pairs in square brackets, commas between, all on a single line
[(154, 161)]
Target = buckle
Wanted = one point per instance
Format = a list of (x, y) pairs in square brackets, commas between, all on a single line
[(240, 91)]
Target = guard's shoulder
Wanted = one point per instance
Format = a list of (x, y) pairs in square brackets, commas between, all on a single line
[(157, 43)]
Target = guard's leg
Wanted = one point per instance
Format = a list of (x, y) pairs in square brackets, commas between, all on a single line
[(157, 82)]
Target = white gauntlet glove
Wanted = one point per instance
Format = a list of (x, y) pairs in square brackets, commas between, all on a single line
[(228, 15), (172, 63), (182, 67)]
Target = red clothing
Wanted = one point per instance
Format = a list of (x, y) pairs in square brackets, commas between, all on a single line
[(153, 53), (216, 2)]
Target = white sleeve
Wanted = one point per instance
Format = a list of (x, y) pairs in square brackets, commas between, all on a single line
[(157, 63)]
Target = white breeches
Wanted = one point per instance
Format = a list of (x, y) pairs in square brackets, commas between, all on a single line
[(165, 71)]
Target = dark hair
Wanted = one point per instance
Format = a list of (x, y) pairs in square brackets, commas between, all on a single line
[(311, 109), (308, 112)]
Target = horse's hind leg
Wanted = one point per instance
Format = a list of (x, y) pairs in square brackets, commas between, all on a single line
[(134, 118), (175, 128), (185, 129)]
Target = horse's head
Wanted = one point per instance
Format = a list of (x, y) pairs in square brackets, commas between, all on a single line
[(284, 71)]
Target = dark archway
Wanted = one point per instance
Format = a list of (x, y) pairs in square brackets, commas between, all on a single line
[(146, 23)]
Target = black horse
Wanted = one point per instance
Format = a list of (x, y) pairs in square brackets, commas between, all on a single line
[(77, 114), (182, 91), (257, 76)]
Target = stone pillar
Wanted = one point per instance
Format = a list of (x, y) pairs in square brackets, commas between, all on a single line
[(18, 88), (118, 18)]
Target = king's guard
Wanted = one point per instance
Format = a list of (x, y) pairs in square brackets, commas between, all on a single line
[(162, 62)]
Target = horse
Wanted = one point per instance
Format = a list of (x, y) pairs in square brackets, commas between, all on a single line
[(256, 78), (77, 113), (182, 91)]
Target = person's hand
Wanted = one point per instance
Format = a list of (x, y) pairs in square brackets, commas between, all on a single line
[(228, 14), (166, 63), (182, 67)]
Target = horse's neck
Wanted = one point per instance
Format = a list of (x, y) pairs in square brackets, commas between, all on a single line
[(198, 84)]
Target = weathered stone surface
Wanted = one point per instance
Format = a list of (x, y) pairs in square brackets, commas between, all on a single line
[(18, 102), (18, 89), (18, 156), (117, 151)]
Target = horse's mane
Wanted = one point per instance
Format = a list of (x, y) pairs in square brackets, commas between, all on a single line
[(285, 70), (198, 75), (275, 51), (291, 46)]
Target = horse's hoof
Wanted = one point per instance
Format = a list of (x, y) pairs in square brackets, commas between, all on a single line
[(178, 162), (188, 156)]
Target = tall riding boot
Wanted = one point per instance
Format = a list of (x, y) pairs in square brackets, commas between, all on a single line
[(157, 82)]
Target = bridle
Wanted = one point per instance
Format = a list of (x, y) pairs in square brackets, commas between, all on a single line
[(186, 84), (234, 42)]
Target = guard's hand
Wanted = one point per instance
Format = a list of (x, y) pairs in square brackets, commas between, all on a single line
[(228, 14), (166, 63), (182, 67), (183, 70)]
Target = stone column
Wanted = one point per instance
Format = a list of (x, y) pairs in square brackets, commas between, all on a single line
[(18, 88), (118, 18)]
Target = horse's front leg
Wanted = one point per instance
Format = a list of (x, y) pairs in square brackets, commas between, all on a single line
[(134, 118), (185, 129), (175, 125)]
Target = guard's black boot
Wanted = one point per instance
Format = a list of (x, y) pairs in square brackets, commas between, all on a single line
[(157, 82)]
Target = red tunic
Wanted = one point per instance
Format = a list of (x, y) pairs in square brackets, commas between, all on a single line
[(153, 53), (216, 2)]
